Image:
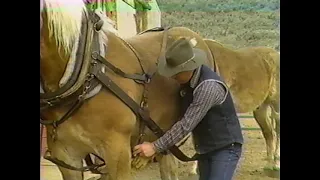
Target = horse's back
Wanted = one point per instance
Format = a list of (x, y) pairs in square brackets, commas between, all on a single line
[(247, 71), (155, 35)]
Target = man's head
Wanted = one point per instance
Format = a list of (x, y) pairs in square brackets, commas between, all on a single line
[(181, 60)]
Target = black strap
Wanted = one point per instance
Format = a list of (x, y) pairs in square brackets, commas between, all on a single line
[(91, 164), (138, 77), (56, 123), (92, 167)]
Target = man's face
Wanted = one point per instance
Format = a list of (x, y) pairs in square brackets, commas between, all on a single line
[(183, 77)]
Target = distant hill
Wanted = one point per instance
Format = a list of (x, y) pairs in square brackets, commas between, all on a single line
[(236, 23)]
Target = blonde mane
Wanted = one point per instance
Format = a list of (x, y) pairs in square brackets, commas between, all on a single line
[(64, 21), (64, 25)]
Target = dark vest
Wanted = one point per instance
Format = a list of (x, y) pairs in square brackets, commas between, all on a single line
[(220, 126)]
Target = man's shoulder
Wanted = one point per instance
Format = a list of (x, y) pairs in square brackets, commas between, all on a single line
[(212, 86), (209, 84)]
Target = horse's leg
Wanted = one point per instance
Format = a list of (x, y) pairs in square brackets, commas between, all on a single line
[(266, 125), (195, 169), (70, 157), (168, 167), (117, 155), (275, 115), (191, 168)]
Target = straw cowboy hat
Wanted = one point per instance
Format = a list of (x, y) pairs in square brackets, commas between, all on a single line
[(181, 56)]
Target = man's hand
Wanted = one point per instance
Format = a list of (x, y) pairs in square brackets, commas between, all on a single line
[(146, 149)]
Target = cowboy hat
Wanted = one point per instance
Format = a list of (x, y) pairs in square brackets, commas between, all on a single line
[(181, 56)]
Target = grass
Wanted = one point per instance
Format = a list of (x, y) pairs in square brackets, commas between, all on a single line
[(235, 23)]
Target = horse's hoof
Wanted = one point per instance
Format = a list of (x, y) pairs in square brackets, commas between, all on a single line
[(139, 162), (273, 172), (195, 169)]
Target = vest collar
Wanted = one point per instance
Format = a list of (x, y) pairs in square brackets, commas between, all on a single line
[(195, 78)]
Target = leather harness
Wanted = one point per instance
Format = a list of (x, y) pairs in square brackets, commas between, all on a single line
[(87, 75)]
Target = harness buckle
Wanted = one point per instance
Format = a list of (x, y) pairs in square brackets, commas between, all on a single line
[(142, 79), (144, 104), (147, 78), (95, 55)]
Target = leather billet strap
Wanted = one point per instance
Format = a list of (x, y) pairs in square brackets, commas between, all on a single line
[(138, 77), (90, 166), (75, 106)]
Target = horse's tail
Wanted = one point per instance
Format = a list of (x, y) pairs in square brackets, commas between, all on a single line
[(276, 70)]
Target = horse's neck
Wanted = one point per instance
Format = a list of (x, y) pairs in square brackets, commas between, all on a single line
[(148, 47), (218, 51), (121, 55), (52, 63)]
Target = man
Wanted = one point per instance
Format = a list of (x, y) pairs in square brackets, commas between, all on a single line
[(209, 114)]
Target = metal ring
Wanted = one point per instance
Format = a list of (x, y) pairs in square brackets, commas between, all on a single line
[(98, 25), (95, 55)]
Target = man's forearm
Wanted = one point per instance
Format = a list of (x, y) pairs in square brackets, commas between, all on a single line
[(171, 137)]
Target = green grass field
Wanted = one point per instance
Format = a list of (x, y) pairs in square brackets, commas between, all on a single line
[(235, 23)]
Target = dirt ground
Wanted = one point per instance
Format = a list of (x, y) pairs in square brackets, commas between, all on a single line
[(250, 166)]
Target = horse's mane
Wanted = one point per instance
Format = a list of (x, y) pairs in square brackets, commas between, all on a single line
[(64, 21)]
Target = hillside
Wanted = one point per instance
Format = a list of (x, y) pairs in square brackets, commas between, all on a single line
[(236, 23)]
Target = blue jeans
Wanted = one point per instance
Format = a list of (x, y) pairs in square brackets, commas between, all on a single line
[(220, 164)]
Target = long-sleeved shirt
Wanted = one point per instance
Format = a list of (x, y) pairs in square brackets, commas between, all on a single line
[(207, 94)]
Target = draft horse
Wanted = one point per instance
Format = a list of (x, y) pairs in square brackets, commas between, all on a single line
[(96, 85), (101, 90)]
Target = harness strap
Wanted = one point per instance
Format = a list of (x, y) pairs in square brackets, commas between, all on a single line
[(91, 164), (77, 104), (138, 77), (135, 53), (141, 132), (144, 105), (92, 167)]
